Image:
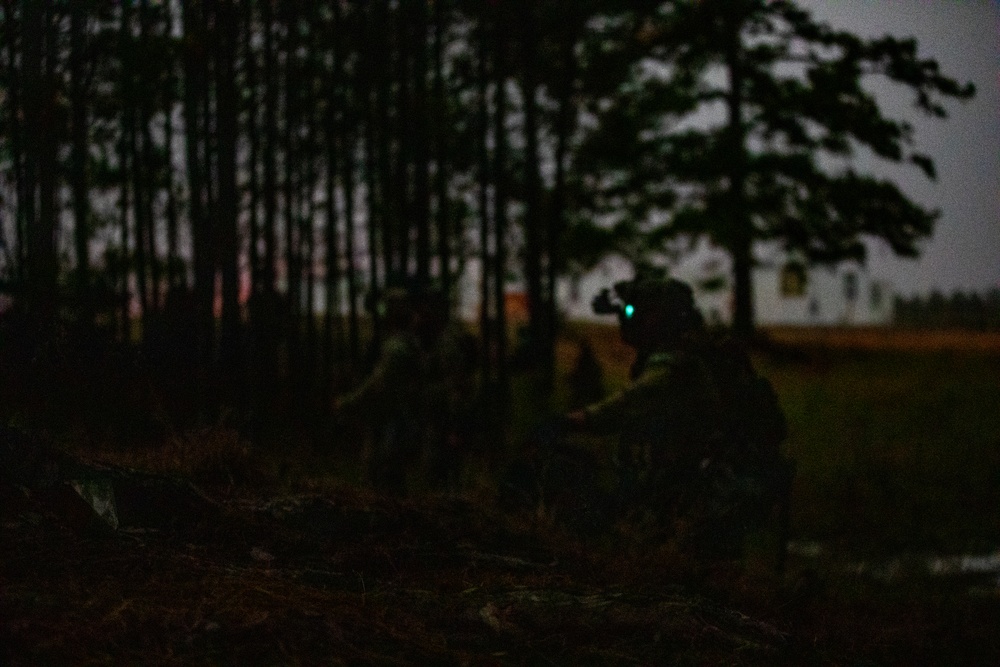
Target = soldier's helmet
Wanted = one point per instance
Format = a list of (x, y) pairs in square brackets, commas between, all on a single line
[(396, 303), (408, 303), (651, 312)]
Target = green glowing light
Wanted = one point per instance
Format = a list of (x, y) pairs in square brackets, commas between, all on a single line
[(629, 310)]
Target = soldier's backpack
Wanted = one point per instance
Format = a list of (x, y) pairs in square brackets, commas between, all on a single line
[(751, 476), (754, 424)]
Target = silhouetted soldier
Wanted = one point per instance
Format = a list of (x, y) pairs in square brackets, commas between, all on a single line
[(451, 391), (391, 398), (699, 430)]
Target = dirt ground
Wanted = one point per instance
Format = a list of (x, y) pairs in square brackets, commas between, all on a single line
[(347, 577), (321, 579)]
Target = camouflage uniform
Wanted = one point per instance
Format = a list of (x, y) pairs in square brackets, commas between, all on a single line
[(391, 399), (744, 476), (451, 403), (699, 429), (668, 423)]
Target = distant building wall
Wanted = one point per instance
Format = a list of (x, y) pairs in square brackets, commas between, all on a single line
[(838, 296)]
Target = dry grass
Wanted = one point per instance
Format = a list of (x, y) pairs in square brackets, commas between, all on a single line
[(886, 339), (349, 578), (356, 579)]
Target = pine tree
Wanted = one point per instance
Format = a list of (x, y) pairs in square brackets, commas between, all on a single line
[(795, 107)]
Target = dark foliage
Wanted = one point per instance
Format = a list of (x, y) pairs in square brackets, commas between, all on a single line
[(296, 157)]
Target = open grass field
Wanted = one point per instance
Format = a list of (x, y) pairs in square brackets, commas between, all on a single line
[(882, 339), (895, 534), (897, 435)]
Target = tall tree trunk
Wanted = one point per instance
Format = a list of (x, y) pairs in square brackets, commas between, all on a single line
[(16, 112), (209, 148), (376, 229), (126, 157), (335, 142), (209, 157), (381, 63), (125, 261), (79, 28), (269, 149), (149, 162), (41, 121), (292, 199), (266, 316), (421, 151), (404, 127), (486, 331), (372, 91), (252, 132), (441, 123), (138, 110), (227, 115), (331, 316), (308, 236), (741, 240), (532, 218), (353, 339), (195, 83), (500, 206), (557, 216), (137, 168), (175, 276)]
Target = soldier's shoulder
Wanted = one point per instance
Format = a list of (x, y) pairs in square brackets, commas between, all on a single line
[(400, 346), (661, 367), (673, 360), (723, 353)]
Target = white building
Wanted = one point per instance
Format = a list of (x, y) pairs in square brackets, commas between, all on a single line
[(845, 295)]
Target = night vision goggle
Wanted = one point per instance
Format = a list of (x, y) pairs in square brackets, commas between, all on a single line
[(620, 304)]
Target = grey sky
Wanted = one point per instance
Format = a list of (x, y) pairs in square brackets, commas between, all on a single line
[(964, 37)]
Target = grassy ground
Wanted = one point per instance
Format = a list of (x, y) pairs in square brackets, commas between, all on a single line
[(898, 450), (898, 447)]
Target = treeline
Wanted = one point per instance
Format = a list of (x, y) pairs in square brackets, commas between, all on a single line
[(258, 172), (961, 310), (228, 183)]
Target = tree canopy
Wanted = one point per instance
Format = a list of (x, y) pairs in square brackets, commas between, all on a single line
[(738, 121)]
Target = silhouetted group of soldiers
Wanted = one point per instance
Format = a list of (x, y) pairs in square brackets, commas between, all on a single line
[(698, 430)]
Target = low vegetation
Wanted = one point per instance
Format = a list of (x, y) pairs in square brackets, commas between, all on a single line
[(898, 447)]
